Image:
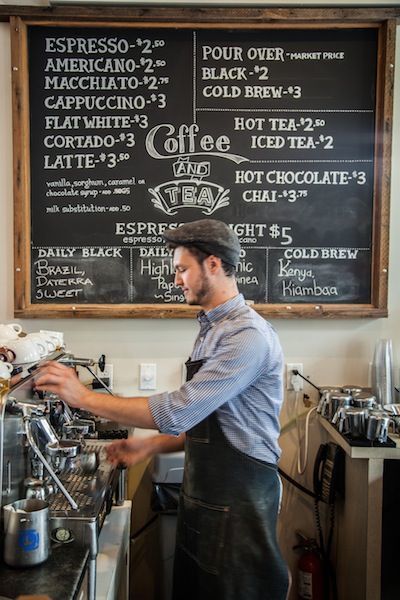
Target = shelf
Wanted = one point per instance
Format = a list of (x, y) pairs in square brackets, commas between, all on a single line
[(360, 451)]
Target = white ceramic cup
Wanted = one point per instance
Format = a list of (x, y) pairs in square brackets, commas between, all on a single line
[(56, 336), (5, 370), (26, 350), (9, 331), (49, 343)]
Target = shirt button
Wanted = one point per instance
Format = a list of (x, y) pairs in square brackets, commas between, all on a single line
[(202, 339)]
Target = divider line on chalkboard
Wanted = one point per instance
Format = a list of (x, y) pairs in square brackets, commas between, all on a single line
[(194, 77), (131, 275), (308, 160), (302, 110), (131, 248)]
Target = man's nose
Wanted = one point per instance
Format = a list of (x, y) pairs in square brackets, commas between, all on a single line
[(178, 279)]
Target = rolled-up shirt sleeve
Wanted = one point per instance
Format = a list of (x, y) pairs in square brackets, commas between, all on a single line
[(236, 361)]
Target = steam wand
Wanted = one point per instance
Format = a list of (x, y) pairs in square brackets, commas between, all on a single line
[(105, 386), (71, 361), (27, 420)]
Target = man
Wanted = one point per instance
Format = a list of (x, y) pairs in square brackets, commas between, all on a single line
[(229, 408)]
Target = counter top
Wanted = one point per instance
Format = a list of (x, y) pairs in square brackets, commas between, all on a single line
[(368, 452), (59, 577)]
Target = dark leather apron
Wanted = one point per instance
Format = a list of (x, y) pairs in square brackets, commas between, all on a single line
[(226, 545)]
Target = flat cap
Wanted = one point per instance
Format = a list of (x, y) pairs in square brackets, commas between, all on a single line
[(208, 235)]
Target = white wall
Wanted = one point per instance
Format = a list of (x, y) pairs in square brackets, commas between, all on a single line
[(333, 351)]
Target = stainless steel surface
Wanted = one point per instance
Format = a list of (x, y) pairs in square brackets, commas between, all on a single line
[(335, 401), (76, 430), (92, 579), (41, 489), (351, 389), (63, 448), (73, 361), (13, 451), (339, 419), (38, 453), (364, 400), (393, 409), (355, 422), (382, 372), (43, 426), (324, 407), (26, 533), (120, 492), (377, 427), (88, 462)]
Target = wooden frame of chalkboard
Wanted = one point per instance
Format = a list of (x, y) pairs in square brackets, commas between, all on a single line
[(281, 128)]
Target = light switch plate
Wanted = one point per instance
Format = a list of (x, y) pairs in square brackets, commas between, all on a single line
[(147, 376)]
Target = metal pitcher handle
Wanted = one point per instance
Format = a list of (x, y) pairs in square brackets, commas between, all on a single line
[(340, 417)]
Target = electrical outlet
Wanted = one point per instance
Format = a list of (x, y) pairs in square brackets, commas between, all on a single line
[(108, 375), (147, 376), (290, 367)]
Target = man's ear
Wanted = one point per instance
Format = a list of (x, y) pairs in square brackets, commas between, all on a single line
[(214, 263)]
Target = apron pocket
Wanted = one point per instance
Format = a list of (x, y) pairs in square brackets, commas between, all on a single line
[(200, 432), (201, 532)]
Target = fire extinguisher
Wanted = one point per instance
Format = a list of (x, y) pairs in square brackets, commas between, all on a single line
[(310, 572)]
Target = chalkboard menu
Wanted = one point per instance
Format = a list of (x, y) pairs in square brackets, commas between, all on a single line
[(271, 130)]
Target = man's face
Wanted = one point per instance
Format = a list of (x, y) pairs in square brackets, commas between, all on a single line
[(192, 277)]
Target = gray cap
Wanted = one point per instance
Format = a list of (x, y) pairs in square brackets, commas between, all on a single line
[(208, 235)]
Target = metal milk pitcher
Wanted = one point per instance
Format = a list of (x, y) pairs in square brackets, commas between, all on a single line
[(377, 426), (26, 529)]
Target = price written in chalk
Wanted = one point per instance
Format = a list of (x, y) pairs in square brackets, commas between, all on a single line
[(359, 176), (149, 64), (293, 195), (276, 232), (147, 46), (141, 120), (111, 159)]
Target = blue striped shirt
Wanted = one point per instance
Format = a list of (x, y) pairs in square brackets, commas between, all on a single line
[(241, 379)]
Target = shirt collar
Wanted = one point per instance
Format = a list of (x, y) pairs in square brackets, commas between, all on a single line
[(221, 311)]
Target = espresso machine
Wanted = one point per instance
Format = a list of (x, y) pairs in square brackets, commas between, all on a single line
[(51, 453)]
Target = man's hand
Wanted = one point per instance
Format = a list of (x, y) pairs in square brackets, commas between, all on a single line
[(134, 450), (129, 452), (63, 381)]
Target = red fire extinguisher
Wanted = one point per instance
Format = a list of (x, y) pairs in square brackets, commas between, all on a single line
[(310, 580)]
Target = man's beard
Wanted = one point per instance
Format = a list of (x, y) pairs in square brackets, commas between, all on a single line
[(203, 293)]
